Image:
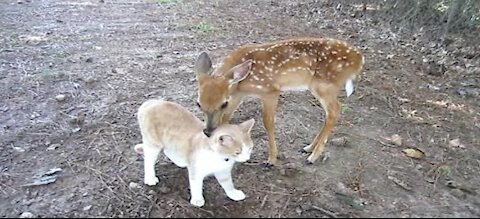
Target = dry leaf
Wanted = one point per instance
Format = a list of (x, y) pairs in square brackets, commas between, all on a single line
[(414, 153), (396, 139)]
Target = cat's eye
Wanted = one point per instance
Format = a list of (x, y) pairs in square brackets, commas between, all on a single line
[(224, 105)]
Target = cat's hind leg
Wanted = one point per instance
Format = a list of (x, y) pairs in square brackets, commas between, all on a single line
[(150, 155)]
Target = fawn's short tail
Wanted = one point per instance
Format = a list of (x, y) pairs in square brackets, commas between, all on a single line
[(349, 86)]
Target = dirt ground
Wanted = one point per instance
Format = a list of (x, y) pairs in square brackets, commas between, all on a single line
[(73, 74)]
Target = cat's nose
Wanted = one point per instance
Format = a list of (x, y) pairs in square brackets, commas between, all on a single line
[(207, 132)]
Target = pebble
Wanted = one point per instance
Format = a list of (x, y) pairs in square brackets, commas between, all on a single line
[(134, 185), (61, 97), (26, 215)]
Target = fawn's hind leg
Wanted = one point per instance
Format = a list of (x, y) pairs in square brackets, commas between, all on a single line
[(331, 106)]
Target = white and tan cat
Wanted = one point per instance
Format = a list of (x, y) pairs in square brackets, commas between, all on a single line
[(170, 127)]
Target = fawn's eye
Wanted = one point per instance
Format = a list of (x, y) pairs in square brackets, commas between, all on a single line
[(224, 105), (198, 104)]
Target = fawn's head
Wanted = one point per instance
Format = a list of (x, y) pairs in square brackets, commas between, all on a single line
[(214, 90)]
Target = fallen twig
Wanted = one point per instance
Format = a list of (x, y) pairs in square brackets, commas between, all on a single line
[(284, 208), (263, 201), (327, 212)]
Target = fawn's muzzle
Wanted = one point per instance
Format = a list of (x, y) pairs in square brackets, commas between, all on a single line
[(207, 132)]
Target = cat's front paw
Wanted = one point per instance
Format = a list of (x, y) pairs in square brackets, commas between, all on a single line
[(236, 195), (151, 181), (197, 202)]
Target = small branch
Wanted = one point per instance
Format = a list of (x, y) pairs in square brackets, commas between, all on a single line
[(326, 212)]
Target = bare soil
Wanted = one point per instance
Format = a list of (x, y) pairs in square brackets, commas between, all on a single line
[(107, 57)]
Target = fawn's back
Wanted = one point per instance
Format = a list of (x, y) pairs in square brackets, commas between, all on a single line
[(294, 64)]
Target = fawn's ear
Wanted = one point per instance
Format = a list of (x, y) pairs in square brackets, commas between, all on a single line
[(239, 72), (225, 140), (203, 65), (247, 125)]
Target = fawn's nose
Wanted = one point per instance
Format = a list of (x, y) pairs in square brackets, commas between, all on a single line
[(207, 132)]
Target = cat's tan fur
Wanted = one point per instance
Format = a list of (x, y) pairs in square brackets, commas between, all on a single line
[(170, 127)]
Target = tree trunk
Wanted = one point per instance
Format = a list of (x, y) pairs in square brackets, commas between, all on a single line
[(453, 14)]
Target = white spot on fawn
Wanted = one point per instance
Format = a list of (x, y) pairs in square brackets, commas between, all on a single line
[(295, 88)]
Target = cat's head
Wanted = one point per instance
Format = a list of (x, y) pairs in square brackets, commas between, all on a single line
[(234, 141)]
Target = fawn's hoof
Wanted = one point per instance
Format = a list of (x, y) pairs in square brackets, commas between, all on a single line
[(303, 151), (268, 164), (307, 162)]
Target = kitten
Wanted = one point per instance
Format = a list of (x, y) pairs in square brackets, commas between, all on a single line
[(172, 128)]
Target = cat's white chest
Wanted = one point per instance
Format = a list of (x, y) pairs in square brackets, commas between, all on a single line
[(175, 157), (209, 162)]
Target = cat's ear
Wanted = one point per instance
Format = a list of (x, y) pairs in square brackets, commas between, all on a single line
[(225, 140), (247, 125)]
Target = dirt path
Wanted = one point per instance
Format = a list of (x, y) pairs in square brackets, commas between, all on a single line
[(106, 58)]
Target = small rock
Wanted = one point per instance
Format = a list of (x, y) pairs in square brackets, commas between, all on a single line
[(4, 108), (396, 139), (151, 192), (86, 208), (433, 87), (341, 141), (134, 185), (390, 56), (468, 92), (89, 59), (53, 147), (75, 130), (19, 149), (60, 97), (283, 172), (418, 167), (26, 215), (299, 210), (85, 194), (90, 80), (456, 143)]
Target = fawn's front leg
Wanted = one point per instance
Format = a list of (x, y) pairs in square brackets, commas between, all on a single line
[(225, 180), (270, 103), (196, 187)]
